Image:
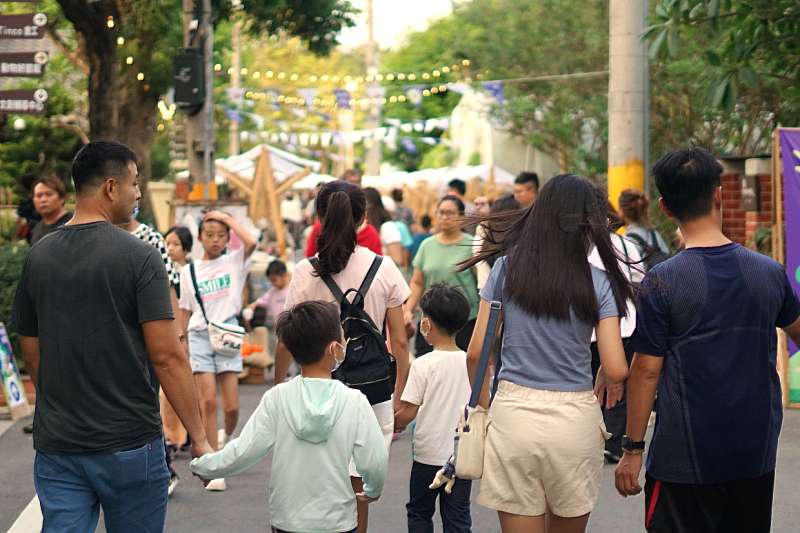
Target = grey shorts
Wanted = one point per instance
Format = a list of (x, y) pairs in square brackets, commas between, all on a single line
[(203, 358)]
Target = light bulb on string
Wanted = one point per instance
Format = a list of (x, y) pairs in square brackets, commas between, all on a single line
[(110, 22), (121, 41), (446, 70), (256, 75), (230, 72), (393, 99), (390, 77), (129, 60), (294, 77), (436, 73), (269, 74), (217, 67), (426, 76), (401, 77), (401, 98), (140, 76), (411, 77), (312, 79)]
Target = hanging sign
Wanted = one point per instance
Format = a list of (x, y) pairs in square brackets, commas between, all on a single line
[(23, 65), (23, 102), (27, 26)]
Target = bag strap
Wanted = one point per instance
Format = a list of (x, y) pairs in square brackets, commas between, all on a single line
[(488, 340), (370, 277), (627, 258), (332, 286), (197, 292)]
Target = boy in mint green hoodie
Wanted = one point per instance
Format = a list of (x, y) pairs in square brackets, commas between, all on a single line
[(316, 424)]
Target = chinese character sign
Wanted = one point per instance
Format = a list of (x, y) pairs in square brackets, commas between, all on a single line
[(790, 150), (28, 26)]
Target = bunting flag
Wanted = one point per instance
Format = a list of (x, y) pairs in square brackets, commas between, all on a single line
[(414, 95), (342, 98), (409, 145), (236, 94), (325, 139), (433, 141), (259, 120), (375, 92), (308, 95), (495, 88), (233, 115), (396, 122)]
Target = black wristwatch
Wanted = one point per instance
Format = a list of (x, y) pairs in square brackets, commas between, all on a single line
[(630, 446)]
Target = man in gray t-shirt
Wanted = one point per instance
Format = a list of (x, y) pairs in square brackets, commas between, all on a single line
[(92, 302)]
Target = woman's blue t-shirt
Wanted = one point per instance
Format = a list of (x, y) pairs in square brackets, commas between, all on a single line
[(545, 353)]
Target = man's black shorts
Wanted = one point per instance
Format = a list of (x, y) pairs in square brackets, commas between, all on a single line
[(734, 506)]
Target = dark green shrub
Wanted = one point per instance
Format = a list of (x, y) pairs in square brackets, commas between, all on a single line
[(11, 257)]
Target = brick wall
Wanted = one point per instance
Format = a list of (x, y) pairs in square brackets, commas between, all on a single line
[(739, 225)]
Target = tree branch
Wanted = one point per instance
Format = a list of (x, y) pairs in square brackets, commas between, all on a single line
[(62, 45)]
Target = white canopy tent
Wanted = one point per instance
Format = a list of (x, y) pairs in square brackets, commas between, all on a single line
[(284, 165), (438, 178)]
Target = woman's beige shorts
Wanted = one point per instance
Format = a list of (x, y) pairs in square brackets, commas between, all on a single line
[(543, 449)]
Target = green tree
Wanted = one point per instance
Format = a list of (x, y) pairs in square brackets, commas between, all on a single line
[(747, 58), (122, 96), (505, 39)]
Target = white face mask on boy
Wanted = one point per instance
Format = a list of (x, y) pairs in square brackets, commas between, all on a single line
[(333, 354), (422, 323)]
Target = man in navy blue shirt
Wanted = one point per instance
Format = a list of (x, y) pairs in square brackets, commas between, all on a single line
[(706, 340)]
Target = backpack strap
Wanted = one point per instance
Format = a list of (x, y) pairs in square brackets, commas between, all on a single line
[(370, 277), (332, 286), (197, 292)]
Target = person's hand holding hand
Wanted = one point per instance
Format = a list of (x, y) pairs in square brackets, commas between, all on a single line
[(363, 498), (626, 476), (200, 448)]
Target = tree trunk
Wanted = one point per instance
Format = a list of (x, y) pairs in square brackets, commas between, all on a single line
[(138, 112), (90, 20)]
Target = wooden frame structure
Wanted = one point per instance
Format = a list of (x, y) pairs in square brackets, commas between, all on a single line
[(263, 193)]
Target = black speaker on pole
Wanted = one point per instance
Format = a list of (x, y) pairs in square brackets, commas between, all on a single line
[(189, 81)]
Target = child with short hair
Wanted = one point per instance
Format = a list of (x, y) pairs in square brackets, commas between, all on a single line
[(273, 300), (437, 387), (316, 424)]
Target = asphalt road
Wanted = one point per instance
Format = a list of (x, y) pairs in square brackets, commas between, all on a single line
[(245, 505)]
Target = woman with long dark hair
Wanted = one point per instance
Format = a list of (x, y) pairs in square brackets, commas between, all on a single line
[(544, 447), (437, 261), (342, 209), (380, 219)]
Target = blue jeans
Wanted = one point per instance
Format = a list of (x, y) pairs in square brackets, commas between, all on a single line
[(131, 486), (453, 507)]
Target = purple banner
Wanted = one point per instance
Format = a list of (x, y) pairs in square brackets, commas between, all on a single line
[(790, 151)]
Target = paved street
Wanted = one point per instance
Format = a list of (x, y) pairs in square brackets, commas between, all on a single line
[(244, 506)]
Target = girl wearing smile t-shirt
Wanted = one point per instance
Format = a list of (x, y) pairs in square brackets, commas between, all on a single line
[(220, 279)]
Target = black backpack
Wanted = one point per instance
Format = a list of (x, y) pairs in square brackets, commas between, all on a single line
[(651, 256), (368, 366)]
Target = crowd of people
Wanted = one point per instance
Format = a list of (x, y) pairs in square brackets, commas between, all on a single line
[(387, 318)]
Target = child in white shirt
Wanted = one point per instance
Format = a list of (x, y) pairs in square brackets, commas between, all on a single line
[(437, 387)]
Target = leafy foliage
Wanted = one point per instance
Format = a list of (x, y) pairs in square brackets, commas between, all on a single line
[(317, 22), (11, 257), (747, 60)]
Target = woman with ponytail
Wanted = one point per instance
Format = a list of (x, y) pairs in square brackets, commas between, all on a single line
[(633, 208), (341, 208), (544, 447)]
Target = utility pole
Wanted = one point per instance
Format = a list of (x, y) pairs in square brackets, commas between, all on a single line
[(198, 49), (236, 77), (374, 117), (628, 87)]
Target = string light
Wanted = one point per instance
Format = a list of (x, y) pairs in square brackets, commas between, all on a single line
[(110, 22), (120, 41), (129, 61), (140, 76), (217, 67)]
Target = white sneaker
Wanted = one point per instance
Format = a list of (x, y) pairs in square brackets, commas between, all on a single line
[(217, 485), (222, 438)]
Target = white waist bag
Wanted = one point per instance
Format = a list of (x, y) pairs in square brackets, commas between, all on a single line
[(225, 339), (473, 423)]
